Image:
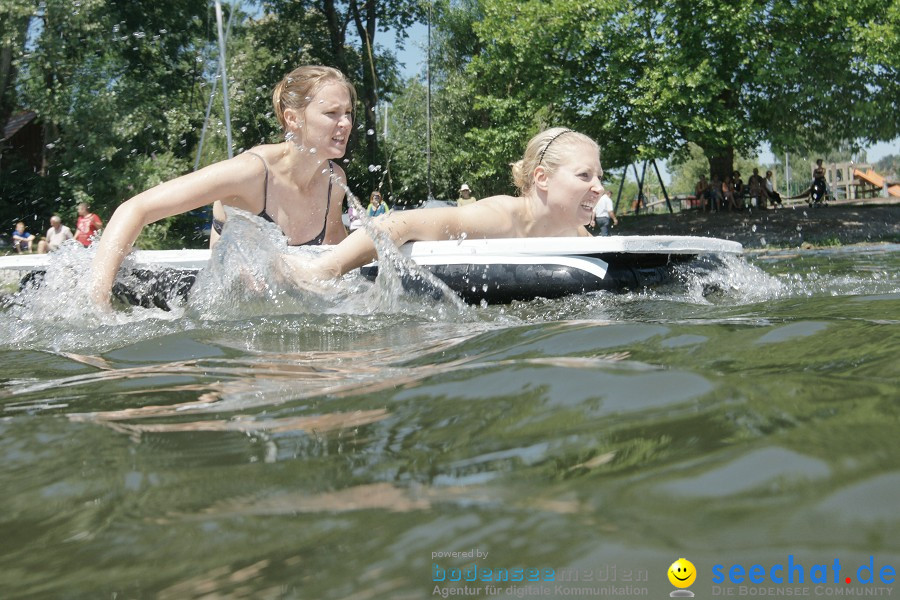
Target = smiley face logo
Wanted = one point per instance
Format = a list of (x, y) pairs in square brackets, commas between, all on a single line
[(682, 573)]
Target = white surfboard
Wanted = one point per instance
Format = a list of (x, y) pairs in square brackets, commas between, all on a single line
[(455, 251), (493, 270)]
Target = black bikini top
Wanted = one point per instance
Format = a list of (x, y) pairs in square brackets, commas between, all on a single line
[(316, 241)]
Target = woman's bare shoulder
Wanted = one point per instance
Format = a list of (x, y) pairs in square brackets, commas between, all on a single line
[(501, 199), (494, 216), (231, 171)]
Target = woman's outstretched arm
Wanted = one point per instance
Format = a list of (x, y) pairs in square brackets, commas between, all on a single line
[(233, 180), (486, 218)]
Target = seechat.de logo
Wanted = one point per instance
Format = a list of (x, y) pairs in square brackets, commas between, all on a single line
[(682, 574)]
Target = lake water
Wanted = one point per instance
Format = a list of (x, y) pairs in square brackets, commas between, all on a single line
[(269, 446)]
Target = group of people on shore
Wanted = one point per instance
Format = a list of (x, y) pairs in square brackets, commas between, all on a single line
[(87, 227), (731, 193)]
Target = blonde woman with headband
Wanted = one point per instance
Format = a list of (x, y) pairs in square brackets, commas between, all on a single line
[(559, 185), (291, 183)]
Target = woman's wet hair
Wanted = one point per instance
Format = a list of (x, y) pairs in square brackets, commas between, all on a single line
[(300, 85), (546, 149)]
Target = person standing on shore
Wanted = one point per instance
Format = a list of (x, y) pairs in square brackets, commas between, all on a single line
[(465, 196), (604, 213), (88, 225), (819, 186)]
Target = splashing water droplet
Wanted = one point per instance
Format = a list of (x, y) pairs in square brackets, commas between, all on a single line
[(370, 132), (753, 229)]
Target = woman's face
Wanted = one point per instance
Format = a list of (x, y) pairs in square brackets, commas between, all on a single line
[(328, 120), (575, 187)]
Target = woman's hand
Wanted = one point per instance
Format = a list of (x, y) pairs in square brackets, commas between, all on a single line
[(306, 272)]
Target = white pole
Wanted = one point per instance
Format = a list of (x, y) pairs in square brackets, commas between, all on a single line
[(428, 104), (386, 121), (224, 72), (787, 174), (212, 96)]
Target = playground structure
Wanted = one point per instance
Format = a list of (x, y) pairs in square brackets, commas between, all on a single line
[(857, 181), (846, 181), (877, 182)]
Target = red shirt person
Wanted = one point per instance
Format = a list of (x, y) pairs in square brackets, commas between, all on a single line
[(87, 226)]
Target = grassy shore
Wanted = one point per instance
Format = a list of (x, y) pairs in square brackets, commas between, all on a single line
[(792, 227)]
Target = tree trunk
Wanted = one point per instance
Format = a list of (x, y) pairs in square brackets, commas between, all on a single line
[(721, 162), (365, 27), (336, 29)]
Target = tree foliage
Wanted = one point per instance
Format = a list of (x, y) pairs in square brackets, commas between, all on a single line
[(120, 90), (647, 77), (114, 86)]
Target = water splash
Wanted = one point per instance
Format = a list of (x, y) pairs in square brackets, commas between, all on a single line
[(53, 310), (729, 277), (399, 275)]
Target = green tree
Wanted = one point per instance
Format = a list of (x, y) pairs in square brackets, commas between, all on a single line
[(889, 166), (116, 89), (646, 77)]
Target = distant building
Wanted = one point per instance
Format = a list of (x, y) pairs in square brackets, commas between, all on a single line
[(23, 136)]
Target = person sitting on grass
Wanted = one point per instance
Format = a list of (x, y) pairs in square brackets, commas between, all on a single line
[(774, 197), (701, 192), (56, 235), (22, 240)]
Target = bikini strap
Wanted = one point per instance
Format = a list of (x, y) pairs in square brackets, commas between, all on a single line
[(330, 180)]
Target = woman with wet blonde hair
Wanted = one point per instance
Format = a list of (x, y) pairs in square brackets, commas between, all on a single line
[(559, 182), (295, 183), (297, 89)]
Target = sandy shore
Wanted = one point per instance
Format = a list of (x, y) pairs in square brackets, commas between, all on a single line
[(790, 227)]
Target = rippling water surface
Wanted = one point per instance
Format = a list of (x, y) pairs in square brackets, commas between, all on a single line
[(269, 443)]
